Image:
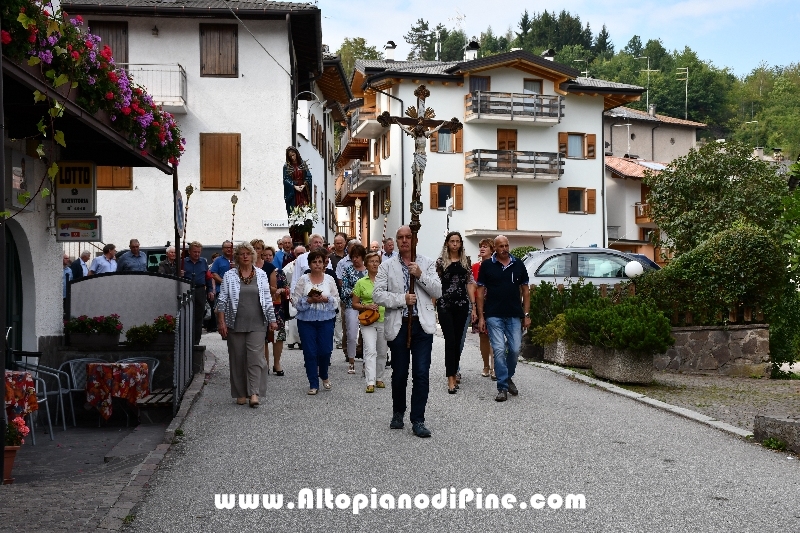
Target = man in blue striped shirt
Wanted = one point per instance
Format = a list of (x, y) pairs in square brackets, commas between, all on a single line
[(195, 269)]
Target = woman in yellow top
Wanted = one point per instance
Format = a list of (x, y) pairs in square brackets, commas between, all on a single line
[(375, 347)]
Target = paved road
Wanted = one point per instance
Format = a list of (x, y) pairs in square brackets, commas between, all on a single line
[(639, 468)]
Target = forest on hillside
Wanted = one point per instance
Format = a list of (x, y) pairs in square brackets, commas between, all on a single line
[(761, 108)]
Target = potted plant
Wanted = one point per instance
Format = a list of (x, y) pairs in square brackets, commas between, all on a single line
[(16, 431), (143, 335), (630, 333), (303, 217), (164, 326), (96, 333), (559, 350)]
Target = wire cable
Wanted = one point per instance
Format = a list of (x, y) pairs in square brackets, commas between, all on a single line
[(255, 38)]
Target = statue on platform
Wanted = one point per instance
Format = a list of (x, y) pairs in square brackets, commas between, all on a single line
[(296, 181)]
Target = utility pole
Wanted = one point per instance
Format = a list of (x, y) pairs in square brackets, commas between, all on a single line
[(648, 77), (683, 75)]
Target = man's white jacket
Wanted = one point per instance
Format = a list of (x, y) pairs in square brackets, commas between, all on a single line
[(390, 292)]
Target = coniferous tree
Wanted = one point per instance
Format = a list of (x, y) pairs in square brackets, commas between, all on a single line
[(420, 37), (603, 47)]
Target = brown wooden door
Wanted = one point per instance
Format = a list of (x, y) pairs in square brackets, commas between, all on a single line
[(506, 207), (115, 35), (506, 140)]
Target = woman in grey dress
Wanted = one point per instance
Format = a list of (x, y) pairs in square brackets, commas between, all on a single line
[(245, 313)]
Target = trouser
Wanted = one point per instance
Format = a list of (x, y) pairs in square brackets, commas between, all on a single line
[(248, 367), (419, 356), (340, 316), (199, 296), (351, 324), (338, 329), (375, 349), (317, 339), (505, 335), (452, 321)]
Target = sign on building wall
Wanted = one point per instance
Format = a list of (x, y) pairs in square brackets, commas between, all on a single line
[(76, 188), (73, 229), (284, 223)]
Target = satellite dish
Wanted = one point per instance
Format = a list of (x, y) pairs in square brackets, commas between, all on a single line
[(634, 269)]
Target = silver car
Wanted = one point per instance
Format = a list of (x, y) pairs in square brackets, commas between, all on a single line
[(594, 265)]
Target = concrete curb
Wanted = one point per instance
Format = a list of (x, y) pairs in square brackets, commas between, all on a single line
[(614, 389), (133, 492)]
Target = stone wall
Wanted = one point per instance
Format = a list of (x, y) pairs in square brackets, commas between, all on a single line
[(739, 350)]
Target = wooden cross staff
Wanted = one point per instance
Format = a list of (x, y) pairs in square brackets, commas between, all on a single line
[(418, 123)]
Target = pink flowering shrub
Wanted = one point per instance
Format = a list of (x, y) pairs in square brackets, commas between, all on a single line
[(98, 324), (16, 431)]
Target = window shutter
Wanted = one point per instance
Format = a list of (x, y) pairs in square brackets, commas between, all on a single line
[(220, 161), (563, 195), (591, 201), (458, 195), (319, 138), (591, 142), (458, 141), (435, 142), (105, 179), (113, 34), (313, 131), (434, 196), (563, 136), (218, 50), (506, 207), (388, 150)]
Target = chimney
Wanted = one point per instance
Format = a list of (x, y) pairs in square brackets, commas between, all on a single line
[(759, 152), (471, 52), (549, 54), (389, 51), (652, 110)]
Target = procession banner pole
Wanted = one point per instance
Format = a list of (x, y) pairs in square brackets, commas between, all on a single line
[(189, 191), (234, 199)]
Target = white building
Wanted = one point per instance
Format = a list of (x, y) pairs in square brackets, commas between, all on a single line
[(638, 141), (527, 164), (231, 76)]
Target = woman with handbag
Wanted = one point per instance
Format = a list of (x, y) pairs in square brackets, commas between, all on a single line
[(245, 313), (351, 275), (371, 319), (458, 293), (316, 298)]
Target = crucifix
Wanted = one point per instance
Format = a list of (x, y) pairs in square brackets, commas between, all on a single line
[(419, 124)]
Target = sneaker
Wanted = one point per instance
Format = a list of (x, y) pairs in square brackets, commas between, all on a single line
[(512, 389), (501, 396), (397, 421), (380, 385), (338, 345), (420, 430)]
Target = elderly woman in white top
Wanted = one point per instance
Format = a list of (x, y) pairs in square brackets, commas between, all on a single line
[(245, 312), (316, 298)]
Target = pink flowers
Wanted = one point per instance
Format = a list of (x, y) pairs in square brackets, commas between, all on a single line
[(106, 53), (112, 76), (126, 110), (89, 44), (5, 37), (109, 95), (75, 55)]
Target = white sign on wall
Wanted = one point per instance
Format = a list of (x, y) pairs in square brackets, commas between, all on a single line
[(76, 189), (283, 223)]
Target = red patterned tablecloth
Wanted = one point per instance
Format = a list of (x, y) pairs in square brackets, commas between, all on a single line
[(105, 381), (20, 394)]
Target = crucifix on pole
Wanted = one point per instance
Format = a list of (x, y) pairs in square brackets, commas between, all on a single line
[(419, 124)]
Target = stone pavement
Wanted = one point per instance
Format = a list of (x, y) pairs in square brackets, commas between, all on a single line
[(640, 469)]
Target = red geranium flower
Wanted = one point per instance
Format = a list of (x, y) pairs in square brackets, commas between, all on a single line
[(113, 76), (76, 56), (89, 44), (109, 95), (32, 38), (144, 152), (126, 110), (79, 19), (6, 37)]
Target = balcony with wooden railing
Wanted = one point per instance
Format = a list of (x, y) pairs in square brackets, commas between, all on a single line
[(364, 123), (528, 109), (351, 148), (642, 213), (519, 165), (358, 181), (348, 227)]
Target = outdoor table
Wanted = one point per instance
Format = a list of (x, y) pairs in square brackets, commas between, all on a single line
[(20, 394), (105, 381)]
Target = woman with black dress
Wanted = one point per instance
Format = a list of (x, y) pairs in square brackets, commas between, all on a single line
[(458, 292)]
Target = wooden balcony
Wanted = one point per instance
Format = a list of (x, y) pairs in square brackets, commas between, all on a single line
[(347, 227), (358, 181), (502, 108), (364, 124), (642, 213), (351, 148), (512, 164)]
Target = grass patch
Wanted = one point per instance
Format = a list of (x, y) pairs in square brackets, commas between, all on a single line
[(129, 519), (774, 444)]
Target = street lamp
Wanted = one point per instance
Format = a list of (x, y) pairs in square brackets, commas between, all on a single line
[(628, 125), (358, 218)]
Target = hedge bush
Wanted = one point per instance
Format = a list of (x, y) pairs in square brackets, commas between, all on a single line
[(521, 251)]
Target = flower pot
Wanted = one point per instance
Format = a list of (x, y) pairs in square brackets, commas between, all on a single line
[(164, 341), (623, 366), (9, 454), (567, 354), (94, 341)]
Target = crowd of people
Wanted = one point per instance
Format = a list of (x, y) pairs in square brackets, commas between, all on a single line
[(380, 305)]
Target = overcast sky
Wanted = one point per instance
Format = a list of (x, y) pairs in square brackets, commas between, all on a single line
[(738, 34)]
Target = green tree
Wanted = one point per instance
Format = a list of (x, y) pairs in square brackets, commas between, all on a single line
[(452, 47), (634, 46), (421, 39), (354, 49), (708, 190), (603, 47)]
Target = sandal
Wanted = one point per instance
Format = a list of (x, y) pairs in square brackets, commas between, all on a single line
[(254, 403), (311, 392), (276, 372), (370, 388), (326, 385), (380, 385), (352, 369), (241, 401), (486, 372)]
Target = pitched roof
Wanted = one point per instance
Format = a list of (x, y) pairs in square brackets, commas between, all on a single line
[(198, 4), (632, 168), (509, 57), (420, 67), (635, 114)]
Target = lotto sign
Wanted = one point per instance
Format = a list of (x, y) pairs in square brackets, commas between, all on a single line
[(86, 229), (76, 188)]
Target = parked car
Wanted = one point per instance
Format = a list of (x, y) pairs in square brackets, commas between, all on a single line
[(594, 265)]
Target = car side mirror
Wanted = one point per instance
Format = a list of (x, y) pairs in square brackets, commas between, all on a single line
[(634, 269)]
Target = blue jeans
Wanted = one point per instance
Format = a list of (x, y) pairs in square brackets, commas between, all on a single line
[(317, 339), (505, 336), (419, 356)]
